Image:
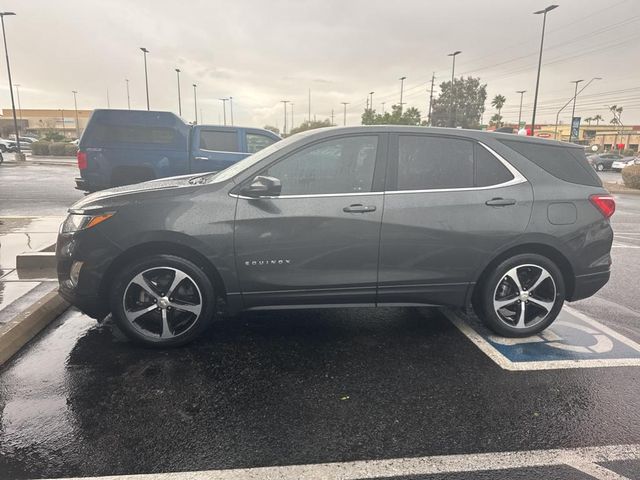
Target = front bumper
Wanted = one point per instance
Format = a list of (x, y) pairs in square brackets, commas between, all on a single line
[(587, 285)]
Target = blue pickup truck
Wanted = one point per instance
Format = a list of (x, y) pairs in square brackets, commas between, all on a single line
[(121, 147)]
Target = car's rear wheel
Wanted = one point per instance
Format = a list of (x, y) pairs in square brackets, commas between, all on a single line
[(600, 167), (522, 296), (162, 300)]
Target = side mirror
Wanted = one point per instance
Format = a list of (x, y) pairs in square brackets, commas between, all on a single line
[(262, 186)]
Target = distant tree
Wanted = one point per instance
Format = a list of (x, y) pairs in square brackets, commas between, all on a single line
[(273, 129), (409, 116), (469, 96), (616, 111), (598, 118), (588, 120), (52, 135), (496, 120), (498, 102), (310, 126)]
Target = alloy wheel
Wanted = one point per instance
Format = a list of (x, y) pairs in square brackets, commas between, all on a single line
[(162, 302), (525, 296)]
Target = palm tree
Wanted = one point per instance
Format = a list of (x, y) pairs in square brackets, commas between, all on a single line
[(598, 118), (588, 120), (498, 102)]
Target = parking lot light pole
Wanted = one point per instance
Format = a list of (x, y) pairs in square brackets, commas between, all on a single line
[(371, 100), (146, 76), (344, 117), (17, 85), (555, 132), (284, 104), (224, 109), (195, 102), (19, 155), (128, 97), (452, 122), (75, 106), (535, 96), (231, 109), (402, 79), (521, 92), (179, 98)]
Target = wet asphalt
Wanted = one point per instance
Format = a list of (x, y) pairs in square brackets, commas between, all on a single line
[(300, 387)]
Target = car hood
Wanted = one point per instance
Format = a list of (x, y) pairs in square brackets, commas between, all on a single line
[(137, 192)]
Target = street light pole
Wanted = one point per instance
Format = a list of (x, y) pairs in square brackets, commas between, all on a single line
[(371, 101), (195, 102), (179, 95), (146, 76), (452, 122), (231, 109), (292, 120), (521, 92), (19, 155), (284, 128), (128, 97), (224, 109), (402, 79), (75, 106), (555, 133), (535, 96), (344, 118), (573, 111), (17, 85)]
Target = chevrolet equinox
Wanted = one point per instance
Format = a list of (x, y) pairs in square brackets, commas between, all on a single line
[(366, 216)]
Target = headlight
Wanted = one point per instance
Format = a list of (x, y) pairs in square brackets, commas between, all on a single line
[(76, 222)]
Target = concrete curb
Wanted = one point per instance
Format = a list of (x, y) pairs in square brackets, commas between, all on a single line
[(23, 327)]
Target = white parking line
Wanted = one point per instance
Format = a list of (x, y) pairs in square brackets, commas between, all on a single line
[(583, 459), (507, 364)]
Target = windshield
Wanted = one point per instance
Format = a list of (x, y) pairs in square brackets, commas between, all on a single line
[(251, 160)]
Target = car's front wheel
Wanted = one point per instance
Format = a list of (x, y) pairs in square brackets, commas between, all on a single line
[(522, 296), (162, 300), (600, 167)]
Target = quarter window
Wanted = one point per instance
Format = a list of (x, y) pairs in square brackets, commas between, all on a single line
[(342, 165), (489, 170), (256, 142), (219, 141), (428, 162)]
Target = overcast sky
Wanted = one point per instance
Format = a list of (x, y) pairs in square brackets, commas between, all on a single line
[(261, 52)]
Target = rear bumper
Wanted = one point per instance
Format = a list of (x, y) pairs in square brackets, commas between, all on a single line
[(586, 285)]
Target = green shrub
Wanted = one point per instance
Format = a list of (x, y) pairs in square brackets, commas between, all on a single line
[(631, 176), (70, 149), (56, 148), (628, 152), (40, 148)]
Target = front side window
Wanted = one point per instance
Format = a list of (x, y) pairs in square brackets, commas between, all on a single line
[(340, 165), (219, 141), (428, 162), (256, 142)]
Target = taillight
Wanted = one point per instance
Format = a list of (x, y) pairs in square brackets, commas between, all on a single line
[(605, 203), (82, 160)]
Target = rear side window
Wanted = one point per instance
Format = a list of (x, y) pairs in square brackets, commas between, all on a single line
[(428, 162), (115, 134), (489, 170), (566, 163), (256, 142), (219, 141)]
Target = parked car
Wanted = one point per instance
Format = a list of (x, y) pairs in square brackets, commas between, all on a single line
[(604, 161), (120, 147), (359, 216), (618, 165), (7, 145)]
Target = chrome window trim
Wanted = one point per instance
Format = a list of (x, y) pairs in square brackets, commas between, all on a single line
[(517, 179)]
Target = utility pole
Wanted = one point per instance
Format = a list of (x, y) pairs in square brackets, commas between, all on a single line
[(371, 102), (146, 76), (344, 117), (224, 109), (179, 97), (284, 104), (108, 101), (402, 79), (332, 117), (535, 97), (195, 102), (452, 121), (75, 106), (292, 121), (19, 155), (433, 79), (521, 92), (64, 130), (231, 108), (383, 107), (128, 97), (573, 111), (309, 119)]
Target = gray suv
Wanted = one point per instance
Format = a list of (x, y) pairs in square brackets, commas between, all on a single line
[(365, 216)]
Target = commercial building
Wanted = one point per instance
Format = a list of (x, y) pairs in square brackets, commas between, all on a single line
[(37, 122)]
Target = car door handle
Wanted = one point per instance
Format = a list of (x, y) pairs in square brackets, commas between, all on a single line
[(201, 158), (500, 202), (359, 208)]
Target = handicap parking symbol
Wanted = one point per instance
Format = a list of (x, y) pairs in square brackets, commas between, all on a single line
[(573, 341)]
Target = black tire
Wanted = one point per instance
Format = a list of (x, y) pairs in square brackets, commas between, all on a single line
[(158, 270), (600, 167), (3, 148), (499, 286)]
